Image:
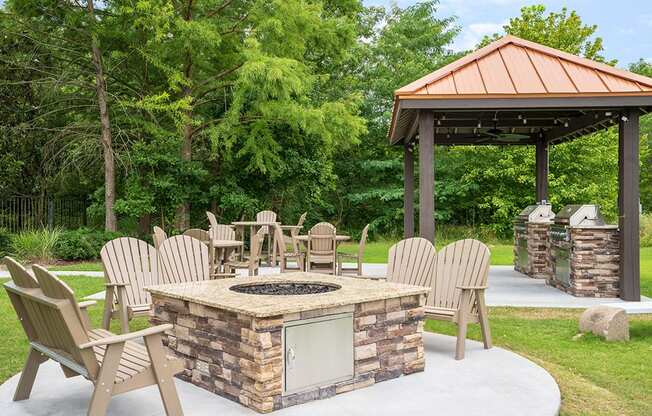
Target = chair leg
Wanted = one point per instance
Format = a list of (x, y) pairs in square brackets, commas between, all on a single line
[(163, 375), (339, 266), (108, 308), (104, 383), (27, 377), (123, 310), (462, 324), (484, 319)]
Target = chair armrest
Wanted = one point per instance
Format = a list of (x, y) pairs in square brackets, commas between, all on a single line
[(472, 287), (116, 284), (85, 304), (127, 337), (223, 275)]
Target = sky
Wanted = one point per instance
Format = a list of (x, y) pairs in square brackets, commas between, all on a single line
[(624, 25)]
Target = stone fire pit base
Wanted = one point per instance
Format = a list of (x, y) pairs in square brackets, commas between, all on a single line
[(240, 357)]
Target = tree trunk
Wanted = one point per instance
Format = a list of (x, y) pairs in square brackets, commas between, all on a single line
[(110, 221), (183, 210)]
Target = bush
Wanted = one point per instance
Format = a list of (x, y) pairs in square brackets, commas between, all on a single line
[(5, 242), (35, 245), (646, 230), (82, 244)]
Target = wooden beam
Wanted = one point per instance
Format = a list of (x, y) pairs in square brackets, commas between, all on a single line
[(408, 190), (628, 203), (579, 125), (542, 170), (561, 103), (446, 139), (426, 175)]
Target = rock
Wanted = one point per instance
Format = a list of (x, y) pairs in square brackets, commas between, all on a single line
[(608, 322)]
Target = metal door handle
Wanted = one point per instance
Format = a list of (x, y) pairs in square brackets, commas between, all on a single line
[(289, 358)]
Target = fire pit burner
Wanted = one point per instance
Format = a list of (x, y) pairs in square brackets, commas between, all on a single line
[(281, 288)]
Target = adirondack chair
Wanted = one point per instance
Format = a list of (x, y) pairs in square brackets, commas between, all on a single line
[(459, 281), (57, 329), (321, 253), (268, 216), (184, 259), (222, 232), (411, 262), (252, 263), (129, 266), (289, 239), (158, 237), (353, 257), (295, 255)]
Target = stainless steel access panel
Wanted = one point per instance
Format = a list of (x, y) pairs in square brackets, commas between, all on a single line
[(318, 352)]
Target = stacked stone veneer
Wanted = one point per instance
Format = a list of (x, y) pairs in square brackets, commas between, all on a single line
[(240, 357), (594, 262), (538, 262)]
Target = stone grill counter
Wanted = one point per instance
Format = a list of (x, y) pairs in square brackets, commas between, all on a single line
[(233, 343)]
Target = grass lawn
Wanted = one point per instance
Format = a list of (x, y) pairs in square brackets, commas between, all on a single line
[(595, 377)]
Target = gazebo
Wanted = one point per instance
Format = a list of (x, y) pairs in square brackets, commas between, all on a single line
[(517, 92)]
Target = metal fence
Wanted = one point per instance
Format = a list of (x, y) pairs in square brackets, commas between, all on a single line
[(24, 213)]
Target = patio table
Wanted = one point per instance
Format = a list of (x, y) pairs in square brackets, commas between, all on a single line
[(253, 229)]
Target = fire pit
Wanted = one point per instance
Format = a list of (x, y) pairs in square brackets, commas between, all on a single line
[(336, 334), (284, 289)]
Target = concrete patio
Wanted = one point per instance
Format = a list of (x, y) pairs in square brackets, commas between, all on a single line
[(487, 382)]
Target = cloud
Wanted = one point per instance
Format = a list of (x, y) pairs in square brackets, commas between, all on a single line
[(472, 34)]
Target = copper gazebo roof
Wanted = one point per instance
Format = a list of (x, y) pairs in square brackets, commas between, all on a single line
[(508, 77)]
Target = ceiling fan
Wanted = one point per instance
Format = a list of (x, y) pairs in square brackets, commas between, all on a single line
[(502, 135)]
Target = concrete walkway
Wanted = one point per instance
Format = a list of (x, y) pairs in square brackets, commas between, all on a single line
[(506, 288), (487, 382)]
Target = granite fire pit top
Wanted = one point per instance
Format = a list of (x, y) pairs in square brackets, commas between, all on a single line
[(217, 293)]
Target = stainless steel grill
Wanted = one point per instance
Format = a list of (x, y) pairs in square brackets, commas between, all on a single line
[(532, 213), (570, 216)]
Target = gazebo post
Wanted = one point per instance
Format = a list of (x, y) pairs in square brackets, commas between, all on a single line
[(427, 175), (628, 204), (542, 169), (408, 193)]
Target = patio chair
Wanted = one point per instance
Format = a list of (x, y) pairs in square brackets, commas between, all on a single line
[(57, 329), (321, 252), (129, 266), (251, 263), (411, 262), (158, 237), (289, 239), (459, 281), (294, 255), (268, 216), (353, 257), (184, 259)]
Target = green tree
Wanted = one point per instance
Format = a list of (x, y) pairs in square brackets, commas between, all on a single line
[(643, 67)]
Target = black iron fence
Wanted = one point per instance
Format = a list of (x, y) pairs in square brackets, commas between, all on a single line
[(24, 212)]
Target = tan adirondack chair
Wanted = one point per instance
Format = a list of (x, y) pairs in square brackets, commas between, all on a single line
[(57, 329), (283, 255), (184, 259), (353, 257), (290, 239), (459, 281), (411, 262), (158, 237), (222, 232), (253, 262), (321, 253), (129, 266)]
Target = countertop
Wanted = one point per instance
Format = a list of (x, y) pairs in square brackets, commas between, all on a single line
[(216, 293)]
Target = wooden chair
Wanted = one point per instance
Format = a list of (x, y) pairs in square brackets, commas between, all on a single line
[(267, 216), (411, 262), (129, 266), (459, 281), (184, 259), (158, 237), (220, 231), (253, 262), (353, 257), (290, 239), (321, 253), (57, 329), (295, 255)]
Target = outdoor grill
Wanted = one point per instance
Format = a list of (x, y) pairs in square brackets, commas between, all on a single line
[(584, 252), (530, 239)]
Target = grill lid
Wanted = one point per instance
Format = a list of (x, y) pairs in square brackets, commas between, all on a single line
[(580, 215), (536, 213)]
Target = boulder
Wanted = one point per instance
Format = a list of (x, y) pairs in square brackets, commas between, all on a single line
[(608, 322)]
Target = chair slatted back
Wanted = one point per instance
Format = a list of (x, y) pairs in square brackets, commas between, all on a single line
[(158, 237), (52, 315), (258, 241), (199, 234), (363, 241), (462, 263), (212, 220), (19, 274), (302, 219), (134, 262), (265, 216), (411, 262), (321, 239), (184, 259), (280, 246), (222, 232)]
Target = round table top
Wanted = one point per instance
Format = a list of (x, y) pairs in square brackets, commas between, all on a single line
[(226, 243), (337, 237)]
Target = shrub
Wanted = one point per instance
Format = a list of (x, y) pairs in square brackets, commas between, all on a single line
[(646, 230), (5, 242), (35, 245), (83, 243)]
